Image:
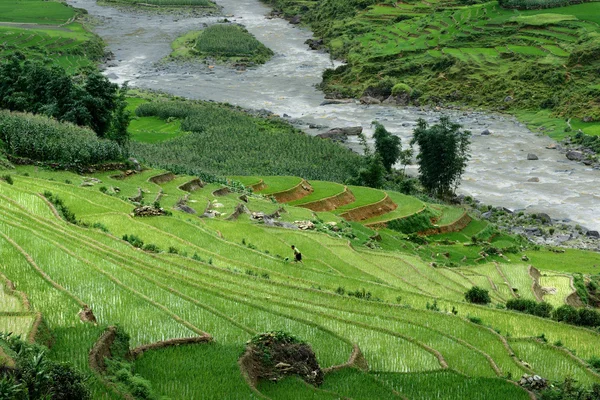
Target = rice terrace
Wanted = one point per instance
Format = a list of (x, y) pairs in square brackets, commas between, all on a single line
[(158, 245)]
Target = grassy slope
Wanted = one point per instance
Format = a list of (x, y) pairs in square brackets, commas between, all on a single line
[(236, 266), (467, 55), (46, 33)]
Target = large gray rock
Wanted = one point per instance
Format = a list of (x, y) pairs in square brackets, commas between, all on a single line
[(532, 157), (545, 218), (369, 100), (593, 234), (574, 155), (486, 132), (341, 133)]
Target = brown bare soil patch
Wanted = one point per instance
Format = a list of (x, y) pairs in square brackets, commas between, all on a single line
[(331, 203), (455, 226), (535, 286), (193, 185), (86, 315), (224, 191), (370, 210), (297, 192), (162, 178), (257, 187), (101, 350)]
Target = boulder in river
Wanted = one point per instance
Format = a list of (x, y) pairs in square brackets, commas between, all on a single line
[(532, 157), (341, 133), (486, 132), (574, 155), (369, 100), (593, 234), (534, 179)]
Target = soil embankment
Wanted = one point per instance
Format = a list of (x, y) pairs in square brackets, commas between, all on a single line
[(331, 203), (296, 193), (370, 210)]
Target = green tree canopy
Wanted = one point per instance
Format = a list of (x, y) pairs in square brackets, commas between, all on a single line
[(388, 146), (86, 100), (443, 155)]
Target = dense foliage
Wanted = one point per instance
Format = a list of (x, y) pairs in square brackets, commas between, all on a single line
[(43, 139), (478, 295), (89, 100), (577, 316), (226, 141), (34, 376), (443, 155), (119, 370), (542, 309), (536, 4), (387, 145), (227, 41)]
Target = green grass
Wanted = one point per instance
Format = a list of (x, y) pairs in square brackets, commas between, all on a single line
[(230, 43), (276, 184), (449, 385), (230, 279), (407, 205), (154, 130), (35, 11), (322, 191), (552, 364), (364, 196)]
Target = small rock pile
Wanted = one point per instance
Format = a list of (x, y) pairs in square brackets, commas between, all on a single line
[(148, 211), (305, 225), (534, 382)]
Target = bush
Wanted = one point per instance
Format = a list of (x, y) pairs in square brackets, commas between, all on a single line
[(44, 139), (401, 88), (478, 295), (566, 313), (532, 307), (8, 179)]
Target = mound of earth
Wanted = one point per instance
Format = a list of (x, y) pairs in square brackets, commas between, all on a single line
[(275, 355)]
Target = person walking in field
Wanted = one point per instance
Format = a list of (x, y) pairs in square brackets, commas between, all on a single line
[(297, 254)]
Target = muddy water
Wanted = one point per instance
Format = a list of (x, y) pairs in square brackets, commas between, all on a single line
[(498, 172)]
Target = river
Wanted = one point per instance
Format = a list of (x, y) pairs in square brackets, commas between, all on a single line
[(498, 171)]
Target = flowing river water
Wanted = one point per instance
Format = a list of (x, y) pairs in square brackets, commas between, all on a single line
[(498, 171)]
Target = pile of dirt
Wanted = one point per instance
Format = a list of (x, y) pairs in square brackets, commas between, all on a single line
[(148, 211), (275, 355)]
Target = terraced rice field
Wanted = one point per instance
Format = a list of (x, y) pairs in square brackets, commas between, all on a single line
[(233, 279)]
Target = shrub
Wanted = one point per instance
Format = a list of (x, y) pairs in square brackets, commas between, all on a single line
[(478, 295), (8, 179), (401, 88), (532, 307), (134, 240), (44, 139), (566, 313)]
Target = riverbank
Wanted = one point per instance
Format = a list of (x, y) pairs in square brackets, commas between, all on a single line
[(497, 174), (478, 56)]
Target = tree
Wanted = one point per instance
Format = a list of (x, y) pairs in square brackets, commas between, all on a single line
[(478, 295), (443, 155), (388, 146), (88, 99), (372, 172), (121, 118)]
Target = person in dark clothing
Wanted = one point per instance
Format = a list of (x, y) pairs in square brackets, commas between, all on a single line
[(297, 254)]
